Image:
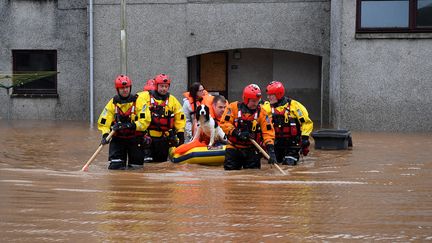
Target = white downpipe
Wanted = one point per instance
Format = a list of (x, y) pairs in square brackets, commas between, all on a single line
[(123, 38), (91, 62)]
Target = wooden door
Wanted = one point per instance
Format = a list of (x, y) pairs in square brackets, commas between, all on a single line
[(213, 72)]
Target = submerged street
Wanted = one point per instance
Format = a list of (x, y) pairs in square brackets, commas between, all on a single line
[(379, 190)]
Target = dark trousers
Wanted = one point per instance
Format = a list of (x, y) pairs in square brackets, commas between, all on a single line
[(286, 147), (159, 149), (126, 149), (247, 158)]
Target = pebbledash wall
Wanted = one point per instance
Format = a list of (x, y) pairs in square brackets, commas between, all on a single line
[(47, 25), (163, 34), (367, 82), (378, 82)]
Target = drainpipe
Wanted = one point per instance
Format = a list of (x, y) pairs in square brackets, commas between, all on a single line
[(123, 39), (91, 62)]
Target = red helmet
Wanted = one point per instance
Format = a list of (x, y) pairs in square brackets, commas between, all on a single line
[(252, 91), (122, 81), (150, 85), (276, 88), (162, 79)]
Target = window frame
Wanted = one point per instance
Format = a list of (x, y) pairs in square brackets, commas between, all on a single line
[(412, 15), (34, 92)]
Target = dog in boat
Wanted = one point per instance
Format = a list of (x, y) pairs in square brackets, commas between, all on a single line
[(207, 125)]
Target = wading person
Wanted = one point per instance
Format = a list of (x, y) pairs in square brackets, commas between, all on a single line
[(242, 121), (196, 96), (149, 85), (167, 119), (291, 123), (126, 115)]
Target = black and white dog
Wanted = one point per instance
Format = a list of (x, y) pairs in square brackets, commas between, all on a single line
[(208, 126)]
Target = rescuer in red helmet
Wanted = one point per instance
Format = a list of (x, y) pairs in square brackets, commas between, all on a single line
[(150, 85), (291, 123), (243, 121), (167, 119), (126, 115)]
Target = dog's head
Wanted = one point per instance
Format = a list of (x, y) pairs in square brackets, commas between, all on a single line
[(202, 111)]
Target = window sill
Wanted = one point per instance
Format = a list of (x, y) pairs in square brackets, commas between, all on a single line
[(34, 95), (393, 35)]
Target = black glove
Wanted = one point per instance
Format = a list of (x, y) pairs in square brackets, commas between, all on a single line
[(171, 139), (271, 152), (124, 125), (181, 138), (305, 145), (104, 140), (241, 135)]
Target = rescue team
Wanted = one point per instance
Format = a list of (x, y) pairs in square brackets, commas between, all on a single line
[(148, 123)]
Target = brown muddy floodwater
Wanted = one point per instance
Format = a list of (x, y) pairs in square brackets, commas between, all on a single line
[(379, 190)]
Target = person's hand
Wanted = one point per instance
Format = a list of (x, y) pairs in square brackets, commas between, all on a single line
[(272, 154), (124, 125), (181, 138), (236, 133), (104, 140), (147, 140), (245, 135), (305, 145), (241, 135)]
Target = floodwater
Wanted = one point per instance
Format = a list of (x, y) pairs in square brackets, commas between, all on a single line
[(379, 190)]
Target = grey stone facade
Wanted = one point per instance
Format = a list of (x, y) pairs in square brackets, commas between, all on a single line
[(346, 80)]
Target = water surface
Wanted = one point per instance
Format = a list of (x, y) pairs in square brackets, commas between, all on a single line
[(379, 190)]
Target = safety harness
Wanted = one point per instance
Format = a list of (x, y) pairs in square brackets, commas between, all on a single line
[(247, 122), (123, 117), (162, 118), (284, 124)]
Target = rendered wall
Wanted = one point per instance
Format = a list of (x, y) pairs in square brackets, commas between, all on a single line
[(47, 25), (380, 82), (162, 34)]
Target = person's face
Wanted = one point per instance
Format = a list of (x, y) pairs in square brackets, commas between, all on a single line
[(272, 98), (124, 92), (219, 108), (163, 89), (253, 103), (200, 92)]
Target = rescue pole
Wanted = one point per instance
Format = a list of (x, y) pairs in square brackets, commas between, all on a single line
[(86, 166), (265, 154)]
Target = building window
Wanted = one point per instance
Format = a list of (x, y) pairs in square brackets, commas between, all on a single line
[(394, 16), (34, 72)]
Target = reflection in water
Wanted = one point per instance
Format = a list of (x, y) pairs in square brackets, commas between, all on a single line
[(380, 190)]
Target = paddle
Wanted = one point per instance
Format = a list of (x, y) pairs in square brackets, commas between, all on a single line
[(86, 166), (265, 154)]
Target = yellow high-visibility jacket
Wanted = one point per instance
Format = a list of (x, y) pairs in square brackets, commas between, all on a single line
[(140, 114), (296, 111), (171, 105)]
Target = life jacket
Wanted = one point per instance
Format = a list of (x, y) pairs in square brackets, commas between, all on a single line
[(162, 119), (123, 117), (284, 124), (206, 99), (247, 123)]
